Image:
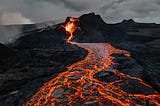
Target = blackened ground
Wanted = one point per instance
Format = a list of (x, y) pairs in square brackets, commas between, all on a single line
[(32, 60), (142, 40), (147, 56)]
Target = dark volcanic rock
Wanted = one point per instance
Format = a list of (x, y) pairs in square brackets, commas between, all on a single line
[(94, 29), (90, 103), (9, 33), (135, 87), (38, 59), (127, 65), (91, 20), (106, 76), (91, 29), (60, 101), (7, 57), (32, 70), (5, 52), (130, 21), (45, 39), (57, 93)]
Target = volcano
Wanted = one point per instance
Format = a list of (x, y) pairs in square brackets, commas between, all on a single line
[(83, 62)]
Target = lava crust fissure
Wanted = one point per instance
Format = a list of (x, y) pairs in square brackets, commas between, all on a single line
[(93, 81)]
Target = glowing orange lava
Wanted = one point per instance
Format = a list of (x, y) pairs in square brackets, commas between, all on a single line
[(78, 87), (71, 27)]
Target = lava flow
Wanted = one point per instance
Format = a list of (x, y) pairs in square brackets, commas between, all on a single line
[(78, 86), (70, 27)]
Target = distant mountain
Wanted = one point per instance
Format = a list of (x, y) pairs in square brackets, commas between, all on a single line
[(44, 39), (94, 29), (11, 32)]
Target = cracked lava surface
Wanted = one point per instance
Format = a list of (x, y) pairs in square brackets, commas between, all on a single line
[(77, 86)]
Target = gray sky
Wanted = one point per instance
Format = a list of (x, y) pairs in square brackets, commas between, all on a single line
[(33, 11)]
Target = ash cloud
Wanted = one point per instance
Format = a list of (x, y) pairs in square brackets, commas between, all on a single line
[(13, 18), (112, 11)]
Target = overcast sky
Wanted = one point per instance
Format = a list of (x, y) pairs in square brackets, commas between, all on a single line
[(33, 11)]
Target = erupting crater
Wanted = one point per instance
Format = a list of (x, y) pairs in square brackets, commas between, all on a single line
[(78, 86), (70, 27)]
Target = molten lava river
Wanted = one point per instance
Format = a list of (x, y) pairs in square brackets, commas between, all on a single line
[(79, 85)]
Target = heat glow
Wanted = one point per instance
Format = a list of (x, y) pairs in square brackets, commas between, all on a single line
[(78, 87), (70, 27)]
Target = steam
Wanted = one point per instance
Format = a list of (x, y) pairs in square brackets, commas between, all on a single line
[(9, 33), (29, 11), (36, 11), (14, 18)]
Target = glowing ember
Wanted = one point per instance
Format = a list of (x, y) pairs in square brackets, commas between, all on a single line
[(71, 27), (78, 87)]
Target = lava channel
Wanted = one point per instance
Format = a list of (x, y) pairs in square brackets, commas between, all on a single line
[(77, 86)]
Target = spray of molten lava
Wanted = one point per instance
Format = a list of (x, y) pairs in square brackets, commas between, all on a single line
[(78, 87), (70, 27)]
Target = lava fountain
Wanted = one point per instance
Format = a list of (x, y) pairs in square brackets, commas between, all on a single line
[(77, 86), (71, 27)]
